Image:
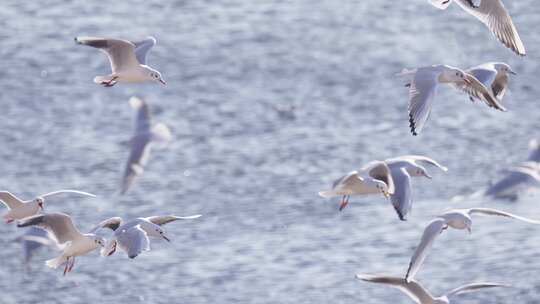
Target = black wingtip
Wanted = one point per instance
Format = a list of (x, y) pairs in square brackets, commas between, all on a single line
[(412, 125)]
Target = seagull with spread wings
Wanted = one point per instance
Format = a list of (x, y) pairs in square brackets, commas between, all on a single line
[(127, 59), (458, 219), (495, 16), (19, 209), (132, 236)]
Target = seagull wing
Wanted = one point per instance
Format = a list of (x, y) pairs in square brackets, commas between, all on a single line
[(379, 170), (10, 200), (143, 119), (121, 53), (138, 157), (59, 224), (423, 160), (422, 91), (490, 211), (401, 199), (499, 85), (413, 289), (165, 219), (486, 74), (67, 191), (495, 16), (133, 240), (472, 288), (478, 90), (431, 232), (112, 223), (143, 47)]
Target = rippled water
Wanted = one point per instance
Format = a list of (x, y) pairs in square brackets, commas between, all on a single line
[(266, 237)]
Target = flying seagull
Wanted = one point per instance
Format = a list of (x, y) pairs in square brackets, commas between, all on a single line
[(127, 59)]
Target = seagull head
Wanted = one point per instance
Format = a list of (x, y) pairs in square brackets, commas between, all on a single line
[(504, 68), (155, 75), (39, 201)]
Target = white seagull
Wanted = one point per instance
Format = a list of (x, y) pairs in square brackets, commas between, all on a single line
[(519, 179), (402, 169), (419, 294), (423, 84), (127, 59), (373, 178), (146, 134), (19, 209), (493, 75), (494, 15), (132, 236), (65, 233), (457, 219)]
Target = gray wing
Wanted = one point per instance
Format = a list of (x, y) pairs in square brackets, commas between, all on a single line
[(121, 53), (534, 150), (165, 219), (433, 229), (112, 223), (473, 287), (422, 91), (490, 211), (59, 224), (143, 119), (495, 16), (500, 85), (67, 191), (138, 157), (421, 159), (486, 74), (379, 170), (10, 200), (133, 240), (478, 90), (143, 47), (509, 186), (402, 198), (413, 289)]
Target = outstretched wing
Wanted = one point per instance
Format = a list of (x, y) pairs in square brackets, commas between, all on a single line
[(67, 191), (402, 198), (165, 219), (431, 232), (473, 287), (490, 211), (121, 53), (477, 89), (112, 223), (413, 289), (423, 88), (143, 47), (59, 224), (495, 16), (10, 200), (422, 160), (379, 170)]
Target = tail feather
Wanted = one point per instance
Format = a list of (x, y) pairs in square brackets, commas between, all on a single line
[(56, 262), (330, 193)]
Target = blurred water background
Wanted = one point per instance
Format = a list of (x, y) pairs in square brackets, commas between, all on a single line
[(265, 237)]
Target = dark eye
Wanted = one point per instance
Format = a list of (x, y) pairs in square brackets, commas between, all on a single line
[(457, 74)]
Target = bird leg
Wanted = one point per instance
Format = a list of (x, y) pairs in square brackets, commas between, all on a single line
[(72, 264), (110, 83), (113, 250), (67, 266), (344, 202)]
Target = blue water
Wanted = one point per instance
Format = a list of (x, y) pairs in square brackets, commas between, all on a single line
[(265, 235)]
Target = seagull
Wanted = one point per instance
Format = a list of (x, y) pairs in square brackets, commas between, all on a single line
[(521, 178), (145, 136), (402, 169), (19, 209), (373, 178), (419, 294), (132, 236), (74, 243), (494, 15), (493, 75), (33, 239), (127, 59), (457, 219), (423, 88)]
